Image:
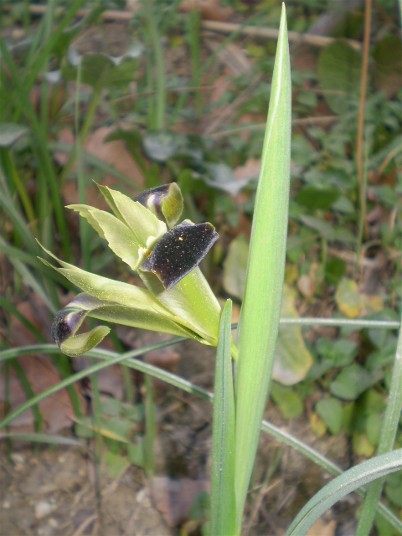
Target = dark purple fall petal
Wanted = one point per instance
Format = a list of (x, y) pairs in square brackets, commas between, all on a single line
[(65, 324), (179, 251)]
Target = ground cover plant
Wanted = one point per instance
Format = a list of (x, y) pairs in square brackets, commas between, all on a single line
[(343, 252)]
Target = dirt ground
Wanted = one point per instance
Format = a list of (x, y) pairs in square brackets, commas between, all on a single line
[(62, 491)]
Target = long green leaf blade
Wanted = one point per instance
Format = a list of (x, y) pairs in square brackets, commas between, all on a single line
[(259, 319), (387, 439), (223, 507), (341, 486)]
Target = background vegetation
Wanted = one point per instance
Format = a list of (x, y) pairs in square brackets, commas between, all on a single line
[(135, 95)]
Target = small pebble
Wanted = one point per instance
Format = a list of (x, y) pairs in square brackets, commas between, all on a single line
[(43, 509), (17, 458), (53, 522)]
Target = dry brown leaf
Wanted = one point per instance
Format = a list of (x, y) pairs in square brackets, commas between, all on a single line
[(306, 286), (322, 528), (174, 498), (209, 9), (250, 170), (232, 56), (114, 153), (56, 410), (41, 374)]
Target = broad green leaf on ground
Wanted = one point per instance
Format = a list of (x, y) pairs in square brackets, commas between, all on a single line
[(222, 177), (326, 230), (340, 352), (116, 464), (339, 68), (330, 410), (348, 298), (373, 427), (362, 445), (287, 400), (354, 303), (161, 146), (100, 70), (387, 54), (10, 133), (235, 266), (292, 358), (317, 198), (352, 381)]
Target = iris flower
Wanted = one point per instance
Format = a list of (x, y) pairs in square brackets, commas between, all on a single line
[(175, 297)]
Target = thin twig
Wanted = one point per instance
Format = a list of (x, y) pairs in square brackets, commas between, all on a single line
[(270, 33), (388, 159), (318, 120), (361, 119), (110, 14), (214, 26)]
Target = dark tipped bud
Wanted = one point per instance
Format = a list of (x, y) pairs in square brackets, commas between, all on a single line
[(66, 323), (165, 202)]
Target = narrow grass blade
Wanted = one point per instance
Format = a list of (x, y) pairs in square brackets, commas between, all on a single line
[(32, 437), (223, 507), (150, 428), (69, 380), (387, 439), (341, 486), (259, 319)]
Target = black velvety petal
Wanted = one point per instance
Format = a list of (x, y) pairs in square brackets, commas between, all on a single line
[(65, 324), (179, 251)]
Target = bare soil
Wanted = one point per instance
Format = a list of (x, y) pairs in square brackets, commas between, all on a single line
[(67, 491)]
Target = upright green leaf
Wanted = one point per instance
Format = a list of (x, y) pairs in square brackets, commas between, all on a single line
[(259, 318), (387, 439), (223, 504)]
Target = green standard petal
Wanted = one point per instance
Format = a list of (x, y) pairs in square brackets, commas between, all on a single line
[(85, 212), (142, 223), (120, 239)]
